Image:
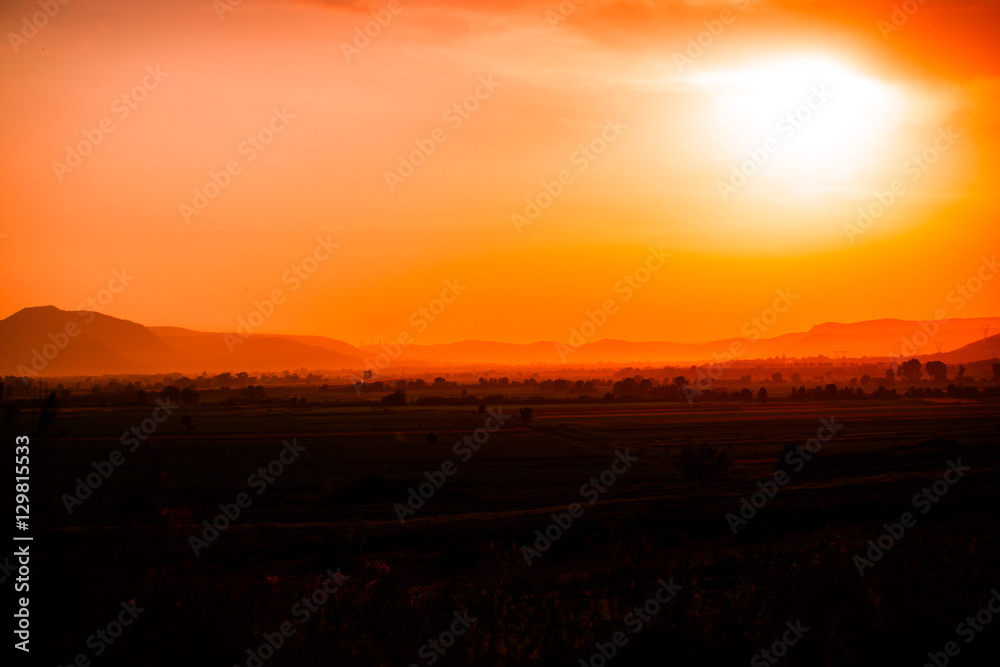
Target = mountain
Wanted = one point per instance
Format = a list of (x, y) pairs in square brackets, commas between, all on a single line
[(52, 342), (219, 353), (48, 341), (875, 338), (981, 350)]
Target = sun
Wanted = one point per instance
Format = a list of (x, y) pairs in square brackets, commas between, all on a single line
[(823, 124)]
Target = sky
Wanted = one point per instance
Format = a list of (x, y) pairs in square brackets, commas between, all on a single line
[(512, 168)]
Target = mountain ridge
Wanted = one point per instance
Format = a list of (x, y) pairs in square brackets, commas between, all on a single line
[(44, 340)]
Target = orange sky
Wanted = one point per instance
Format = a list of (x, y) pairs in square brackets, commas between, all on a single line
[(338, 123)]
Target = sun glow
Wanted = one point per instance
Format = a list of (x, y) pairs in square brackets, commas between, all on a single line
[(823, 124)]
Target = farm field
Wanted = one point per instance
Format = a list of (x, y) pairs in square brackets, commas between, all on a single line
[(675, 473)]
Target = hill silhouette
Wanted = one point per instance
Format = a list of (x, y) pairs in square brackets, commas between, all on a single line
[(981, 350), (48, 341), (875, 338)]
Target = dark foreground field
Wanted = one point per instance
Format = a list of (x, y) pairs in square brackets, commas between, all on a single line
[(401, 586)]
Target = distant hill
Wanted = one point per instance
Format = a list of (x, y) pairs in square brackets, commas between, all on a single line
[(981, 350), (219, 353), (41, 341), (49, 341), (875, 338)]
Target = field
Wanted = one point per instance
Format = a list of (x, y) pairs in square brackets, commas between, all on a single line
[(336, 502)]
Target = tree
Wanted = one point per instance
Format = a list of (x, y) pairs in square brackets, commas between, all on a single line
[(397, 397), (996, 372), (189, 395), (961, 373), (937, 370), (912, 369), (890, 376), (527, 414), (626, 387), (762, 394), (777, 378), (171, 394), (48, 413)]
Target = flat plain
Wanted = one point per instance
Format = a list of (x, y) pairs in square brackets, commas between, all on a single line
[(336, 508)]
